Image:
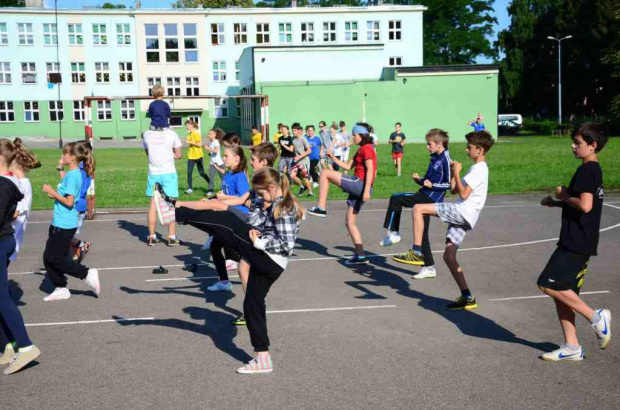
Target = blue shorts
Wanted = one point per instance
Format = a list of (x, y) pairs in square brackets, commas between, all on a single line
[(170, 183), (354, 186)]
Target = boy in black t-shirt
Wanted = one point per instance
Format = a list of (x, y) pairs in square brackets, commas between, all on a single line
[(562, 278), (287, 150)]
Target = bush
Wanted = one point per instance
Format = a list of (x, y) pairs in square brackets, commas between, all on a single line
[(543, 127)]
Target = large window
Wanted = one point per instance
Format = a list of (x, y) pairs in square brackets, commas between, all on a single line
[(5, 72), (123, 34), (104, 110), (329, 32), (7, 111), (102, 73), (56, 112), (50, 34), (350, 31), (192, 86), (190, 43), (262, 33), (372, 31), (100, 34), (395, 62), (241, 33), (76, 37), (152, 82), (173, 86), (152, 43), (4, 34), (172, 43), (31, 111), (307, 32), (78, 73), (394, 30), (217, 34), (25, 35), (128, 110), (29, 73), (221, 107), (79, 114), (53, 73), (219, 71), (286, 32), (125, 72)]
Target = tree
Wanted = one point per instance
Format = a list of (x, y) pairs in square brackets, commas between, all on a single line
[(12, 3), (213, 4), (612, 59), (113, 6)]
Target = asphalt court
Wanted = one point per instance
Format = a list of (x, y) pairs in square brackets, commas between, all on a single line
[(369, 337)]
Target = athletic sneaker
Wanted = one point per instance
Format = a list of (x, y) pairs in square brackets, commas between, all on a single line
[(564, 354), (316, 211), (9, 354), (427, 272), (188, 191), (260, 364), (315, 185), (165, 208), (207, 244), (392, 238), (58, 294), (23, 358), (231, 265), (603, 328), (173, 241), (220, 286), (92, 280), (239, 321), (410, 258), (461, 303), (302, 190), (152, 240), (210, 195), (357, 260)]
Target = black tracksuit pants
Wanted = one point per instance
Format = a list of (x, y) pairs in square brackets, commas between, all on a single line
[(56, 257)]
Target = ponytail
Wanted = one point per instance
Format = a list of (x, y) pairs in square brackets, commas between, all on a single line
[(265, 177), (83, 152), (243, 163), (7, 151), (24, 158)]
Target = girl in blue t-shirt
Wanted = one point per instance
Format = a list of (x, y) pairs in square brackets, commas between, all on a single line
[(79, 248), (65, 222)]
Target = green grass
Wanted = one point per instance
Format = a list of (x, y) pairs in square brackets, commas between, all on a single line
[(516, 164)]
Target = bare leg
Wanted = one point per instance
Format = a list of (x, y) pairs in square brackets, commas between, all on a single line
[(295, 178), (398, 165), (572, 300), (419, 211), (244, 272), (327, 176), (449, 256), (567, 320), (172, 230), (308, 185), (152, 217), (350, 222)]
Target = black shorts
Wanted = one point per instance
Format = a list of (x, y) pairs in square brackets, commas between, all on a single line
[(566, 270)]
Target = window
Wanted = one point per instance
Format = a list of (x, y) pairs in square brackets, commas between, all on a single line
[(395, 62), (394, 30), (7, 112), (262, 33), (75, 35), (329, 32), (217, 34), (286, 32), (125, 72), (176, 121), (31, 111), (123, 34), (102, 73), (50, 34), (128, 110), (53, 73), (191, 43), (237, 74), (219, 71), (4, 34), (192, 86), (29, 73), (372, 31), (79, 114), (307, 32), (152, 43), (56, 112), (350, 31), (24, 31), (221, 108), (5, 73), (172, 43), (173, 86), (195, 119), (152, 82), (238, 103), (241, 33), (104, 110), (100, 36), (78, 73)]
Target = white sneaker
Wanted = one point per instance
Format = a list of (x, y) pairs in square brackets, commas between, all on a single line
[(207, 244), (563, 354), (427, 272), (58, 294), (603, 328), (315, 185), (220, 286), (231, 265), (391, 239), (92, 280), (188, 191)]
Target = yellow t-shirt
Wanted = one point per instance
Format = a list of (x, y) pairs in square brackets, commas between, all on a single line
[(276, 138), (257, 138), (193, 151)]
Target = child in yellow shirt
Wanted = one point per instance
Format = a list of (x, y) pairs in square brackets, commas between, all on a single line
[(256, 137), (194, 154)]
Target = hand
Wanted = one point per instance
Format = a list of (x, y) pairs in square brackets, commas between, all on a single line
[(60, 163), (330, 151), (561, 193), (428, 184), (456, 167), (220, 195), (254, 235), (366, 196), (415, 177), (547, 201), (48, 190), (296, 158)]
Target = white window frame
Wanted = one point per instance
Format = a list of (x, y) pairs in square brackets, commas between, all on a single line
[(187, 48), (329, 31), (79, 112), (4, 34), (56, 107), (153, 51), (373, 30), (395, 30), (240, 31), (263, 35), (395, 61), (25, 34), (171, 37), (152, 82), (52, 68), (104, 110), (173, 86), (123, 34), (100, 34), (351, 34), (218, 37), (76, 35), (32, 108), (31, 69), (78, 72), (125, 69), (5, 72), (285, 32), (220, 108), (195, 119), (7, 111), (128, 110), (192, 86), (219, 70), (50, 34), (102, 73), (307, 32)]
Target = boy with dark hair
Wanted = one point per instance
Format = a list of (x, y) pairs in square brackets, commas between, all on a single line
[(460, 216), (434, 184), (397, 139), (562, 278), (301, 161), (316, 145), (256, 137), (287, 150)]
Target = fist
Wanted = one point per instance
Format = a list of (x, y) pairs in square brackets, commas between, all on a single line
[(547, 201), (456, 167), (254, 235), (220, 194), (561, 193), (428, 184), (415, 177)]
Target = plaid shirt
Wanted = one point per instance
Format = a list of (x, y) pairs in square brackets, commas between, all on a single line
[(278, 236)]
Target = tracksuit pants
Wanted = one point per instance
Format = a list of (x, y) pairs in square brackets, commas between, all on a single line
[(56, 257)]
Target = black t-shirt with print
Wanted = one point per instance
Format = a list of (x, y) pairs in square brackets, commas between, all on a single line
[(9, 197), (396, 147), (580, 231), (288, 141)]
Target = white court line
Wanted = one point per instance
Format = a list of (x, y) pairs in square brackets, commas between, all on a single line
[(126, 268), (612, 206), (94, 220), (332, 309), (89, 322), (188, 278), (546, 296)]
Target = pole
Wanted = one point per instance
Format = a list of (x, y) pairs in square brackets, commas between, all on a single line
[(559, 82)]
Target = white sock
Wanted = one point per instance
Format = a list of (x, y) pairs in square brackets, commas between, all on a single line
[(25, 349)]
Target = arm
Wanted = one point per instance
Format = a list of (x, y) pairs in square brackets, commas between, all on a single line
[(289, 149), (304, 155), (67, 201), (370, 173), (584, 203), (439, 181), (346, 165), (219, 169), (284, 243), (238, 200), (177, 153), (456, 186)]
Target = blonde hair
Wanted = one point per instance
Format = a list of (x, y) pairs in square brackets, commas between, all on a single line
[(159, 91), (438, 135), (267, 176)]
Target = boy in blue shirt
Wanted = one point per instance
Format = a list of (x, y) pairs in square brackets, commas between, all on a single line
[(477, 123), (316, 145), (159, 110)]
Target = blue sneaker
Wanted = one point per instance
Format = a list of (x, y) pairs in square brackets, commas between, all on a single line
[(357, 260), (603, 328), (563, 354)]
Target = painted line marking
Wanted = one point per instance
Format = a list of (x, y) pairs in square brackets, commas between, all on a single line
[(598, 292), (89, 322), (127, 268), (188, 278), (94, 220), (612, 206), (332, 309)]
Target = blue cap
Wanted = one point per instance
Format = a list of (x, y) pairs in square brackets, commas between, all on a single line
[(358, 129)]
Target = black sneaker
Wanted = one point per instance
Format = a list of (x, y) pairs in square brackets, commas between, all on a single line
[(316, 211), (152, 240), (302, 190), (462, 303), (357, 260), (163, 195)]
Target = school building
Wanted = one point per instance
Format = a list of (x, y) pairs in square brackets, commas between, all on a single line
[(312, 64)]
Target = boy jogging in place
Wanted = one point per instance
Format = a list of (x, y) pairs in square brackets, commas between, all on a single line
[(562, 278), (397, 139), (460, 216)]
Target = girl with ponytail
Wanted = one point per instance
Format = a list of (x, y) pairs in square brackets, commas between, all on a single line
[(79, 248)]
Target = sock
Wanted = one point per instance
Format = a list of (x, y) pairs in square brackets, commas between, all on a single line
[(25, 349), (467, 294), (571, 347), (172, 237), (417, 249), (322, 209), (393, 233), (359, 249), (596, 318)]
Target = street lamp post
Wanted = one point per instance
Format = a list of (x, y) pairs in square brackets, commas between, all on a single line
[(559, 40)]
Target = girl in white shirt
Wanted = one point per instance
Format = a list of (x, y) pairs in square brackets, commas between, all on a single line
[(337, 142), (215, 135)]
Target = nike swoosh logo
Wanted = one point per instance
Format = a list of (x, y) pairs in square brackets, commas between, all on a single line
[(605, 331), (561, 356), (551, 280)]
